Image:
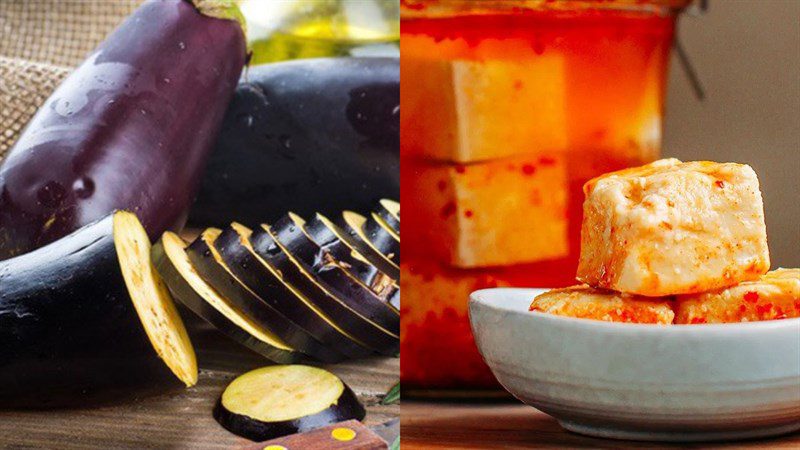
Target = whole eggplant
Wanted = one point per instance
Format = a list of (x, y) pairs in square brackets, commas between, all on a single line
[(314, 135), (70, 332), (131, 128)]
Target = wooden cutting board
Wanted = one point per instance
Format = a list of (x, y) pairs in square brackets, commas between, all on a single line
[(427, 425), (182, 420)]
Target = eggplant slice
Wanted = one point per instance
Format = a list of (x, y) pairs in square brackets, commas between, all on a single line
[(360, 328), (209, 264), (355, 225), (389, 211), (267, 282), (88, 319), (350, 260), (327, 271), (190, 289), (277, 401), (323, 230)]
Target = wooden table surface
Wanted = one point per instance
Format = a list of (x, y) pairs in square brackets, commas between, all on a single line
[(182, 420), (427, 425)]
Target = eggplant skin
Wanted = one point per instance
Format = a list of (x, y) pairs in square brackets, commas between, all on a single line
[(305, 136), (366, 332), (255, 307), (315, 261), (131, 129), (347, 407), (69, 332), (186, 295), (364, 271), (258, 278)]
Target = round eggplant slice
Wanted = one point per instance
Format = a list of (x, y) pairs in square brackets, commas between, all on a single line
[(350, 260), (190, 289), (389, 211), (277, 401), (267, 282), (209, 264), (324, 231), (87, 319), (362, 329), (394, 300), (383, 237), (328, 272), (355, 226)]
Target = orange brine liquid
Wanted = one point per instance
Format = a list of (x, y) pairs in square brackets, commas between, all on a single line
[(505, 115)]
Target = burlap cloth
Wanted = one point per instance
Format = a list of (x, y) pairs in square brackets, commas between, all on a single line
[(40, 42)]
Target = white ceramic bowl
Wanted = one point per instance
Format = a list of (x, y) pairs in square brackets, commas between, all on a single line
[(643, 382)]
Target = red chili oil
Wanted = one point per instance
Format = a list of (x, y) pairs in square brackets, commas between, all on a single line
[(575, 86)]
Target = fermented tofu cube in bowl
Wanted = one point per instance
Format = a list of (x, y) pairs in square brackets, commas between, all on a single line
[(585, 302), (673, 227), (775, 295), (642, 381)]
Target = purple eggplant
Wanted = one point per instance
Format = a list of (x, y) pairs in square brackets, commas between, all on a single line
[(308, 136), (131, 128)]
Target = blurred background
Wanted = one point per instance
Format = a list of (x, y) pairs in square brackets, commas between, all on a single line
[(747, 54)]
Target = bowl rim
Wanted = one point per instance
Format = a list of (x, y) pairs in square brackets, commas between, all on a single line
[(479, 297)]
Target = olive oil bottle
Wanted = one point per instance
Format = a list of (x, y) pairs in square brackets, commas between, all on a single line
[(290, 29)]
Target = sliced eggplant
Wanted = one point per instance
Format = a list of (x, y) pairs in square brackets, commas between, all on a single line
[(267, 282), (350, 260), (87, 319), (394, 300), (365, 331), (289, 232), (209, 264), (389, 211), (376, 237), (324, 231), (383, 237), (278, 401), (190, 289)]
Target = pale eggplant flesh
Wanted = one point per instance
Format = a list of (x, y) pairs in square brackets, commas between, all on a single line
[(276, 401)]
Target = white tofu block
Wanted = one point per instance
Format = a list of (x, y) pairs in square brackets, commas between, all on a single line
[(467, 111), (775, 295), (496, 213), (673, 228)]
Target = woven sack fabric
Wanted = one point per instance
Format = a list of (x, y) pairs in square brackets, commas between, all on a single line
[(40, 42)]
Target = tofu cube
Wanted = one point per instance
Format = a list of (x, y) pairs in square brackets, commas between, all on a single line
[(468, 111), (585, 302), (775, 295), (673, 228), (495, 213)]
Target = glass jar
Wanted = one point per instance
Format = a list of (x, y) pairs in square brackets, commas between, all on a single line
[(291, 29), (508, 108)]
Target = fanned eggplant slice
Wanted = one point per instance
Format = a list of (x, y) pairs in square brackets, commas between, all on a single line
[(323, 230), (383, 237), (267, 282), (276, 401), (394, 300), (209, 264), (190, 289), (376, 237), (88, 319), (289, 232), (365, 331), (350, 260), (389, 211)]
